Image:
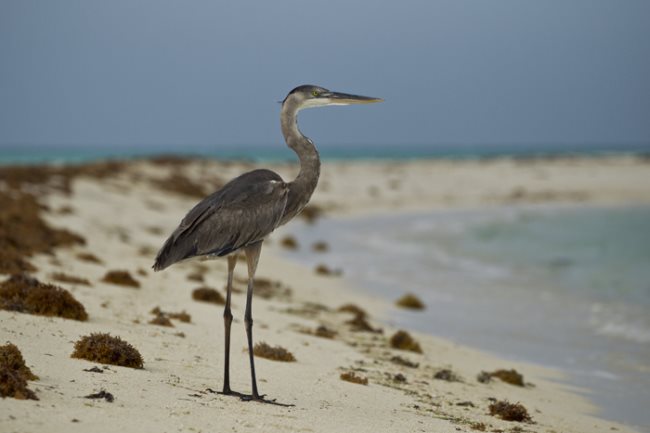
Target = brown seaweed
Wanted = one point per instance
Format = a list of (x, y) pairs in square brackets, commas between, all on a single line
[(354, 309), (509, 411), (14, 374), (511, 376), (180, 184), (161, 320), (101, 395), (352, 377), (11, 358), (311, 213), (360, 324), (70, 279), (277, 353), (410, 302), (28, 295), (402, 340), (322, 269), (161, 315), (320, 247), (23, 232), (121, 278), (404, 362), (207, 294), (289, 242), (106, 349), (447, 375)]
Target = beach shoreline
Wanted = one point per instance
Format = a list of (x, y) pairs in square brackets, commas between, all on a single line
[(515, 303), (124, 217)]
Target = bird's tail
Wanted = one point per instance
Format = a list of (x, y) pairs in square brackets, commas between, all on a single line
[(164, 258)]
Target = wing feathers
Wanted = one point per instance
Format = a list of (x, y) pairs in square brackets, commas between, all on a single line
[(243, 212)]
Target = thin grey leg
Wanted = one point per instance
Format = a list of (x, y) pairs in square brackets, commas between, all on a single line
[(227, 320), (252, 257)]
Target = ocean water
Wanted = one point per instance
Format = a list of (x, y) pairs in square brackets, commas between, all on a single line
[(565, 287), (277, 151)]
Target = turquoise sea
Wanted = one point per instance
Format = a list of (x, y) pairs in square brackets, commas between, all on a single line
[(565, 287), (277, 151)]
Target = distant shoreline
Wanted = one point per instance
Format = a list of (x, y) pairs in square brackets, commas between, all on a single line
[(276, 153)]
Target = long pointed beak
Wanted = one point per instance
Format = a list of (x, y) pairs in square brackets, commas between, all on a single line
[(337, 98)]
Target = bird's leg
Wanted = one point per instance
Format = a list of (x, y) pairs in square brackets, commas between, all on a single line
[(252, 257), (227, 320)]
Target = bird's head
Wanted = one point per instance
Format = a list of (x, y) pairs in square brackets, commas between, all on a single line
[(309, 96)]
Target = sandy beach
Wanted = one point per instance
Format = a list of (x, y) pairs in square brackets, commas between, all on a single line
[(124, 212)]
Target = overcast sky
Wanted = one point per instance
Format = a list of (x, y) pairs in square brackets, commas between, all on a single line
[(151, 72)]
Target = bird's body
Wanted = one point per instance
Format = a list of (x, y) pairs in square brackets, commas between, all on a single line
[(238, 217), (241, 213)]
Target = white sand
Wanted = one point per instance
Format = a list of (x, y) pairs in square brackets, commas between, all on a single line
[(120, 216)]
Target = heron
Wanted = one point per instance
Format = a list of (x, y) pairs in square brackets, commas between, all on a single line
[(238, 217)]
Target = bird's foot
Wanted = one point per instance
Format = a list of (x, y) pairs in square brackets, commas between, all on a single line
[(256, 397), (248, 397), (225, 391), (262, 399)]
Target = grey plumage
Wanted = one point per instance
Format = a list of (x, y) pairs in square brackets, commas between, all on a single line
[(248, 208), (241, 213)]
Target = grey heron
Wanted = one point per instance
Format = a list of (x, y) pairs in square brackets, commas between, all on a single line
[(238, 217)]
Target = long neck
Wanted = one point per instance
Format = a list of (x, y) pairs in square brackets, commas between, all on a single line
[(305, 184)]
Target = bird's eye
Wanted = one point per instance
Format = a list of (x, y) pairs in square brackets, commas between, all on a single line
[(315, 93)]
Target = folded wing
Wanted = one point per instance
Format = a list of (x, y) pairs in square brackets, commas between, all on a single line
[(241, 213)]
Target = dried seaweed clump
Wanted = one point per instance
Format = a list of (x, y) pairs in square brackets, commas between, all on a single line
[(101, 395), (320, 247), (45, 178), (183, 316), (28, 295), (163, 317), (321, 331), (509, 411), (276, 353), (289, 242), (106, 349), (325, 332), (121, 278), (447, 375), (360, 324), (267, 289), (89, 257), (70, 279), (478, 426), (195, 276), (402, 340), (161, 320), (14, 374), (11, 357), (169, 160), (410, 302), (180, 184), (512, 376), (354, 309), (206, 294), (484, 377), (22, 230), (311, 213), (322, 269), (404, 362), (351, 376)]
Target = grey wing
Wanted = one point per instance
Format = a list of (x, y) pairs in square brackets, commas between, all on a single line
[(243, 212)]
